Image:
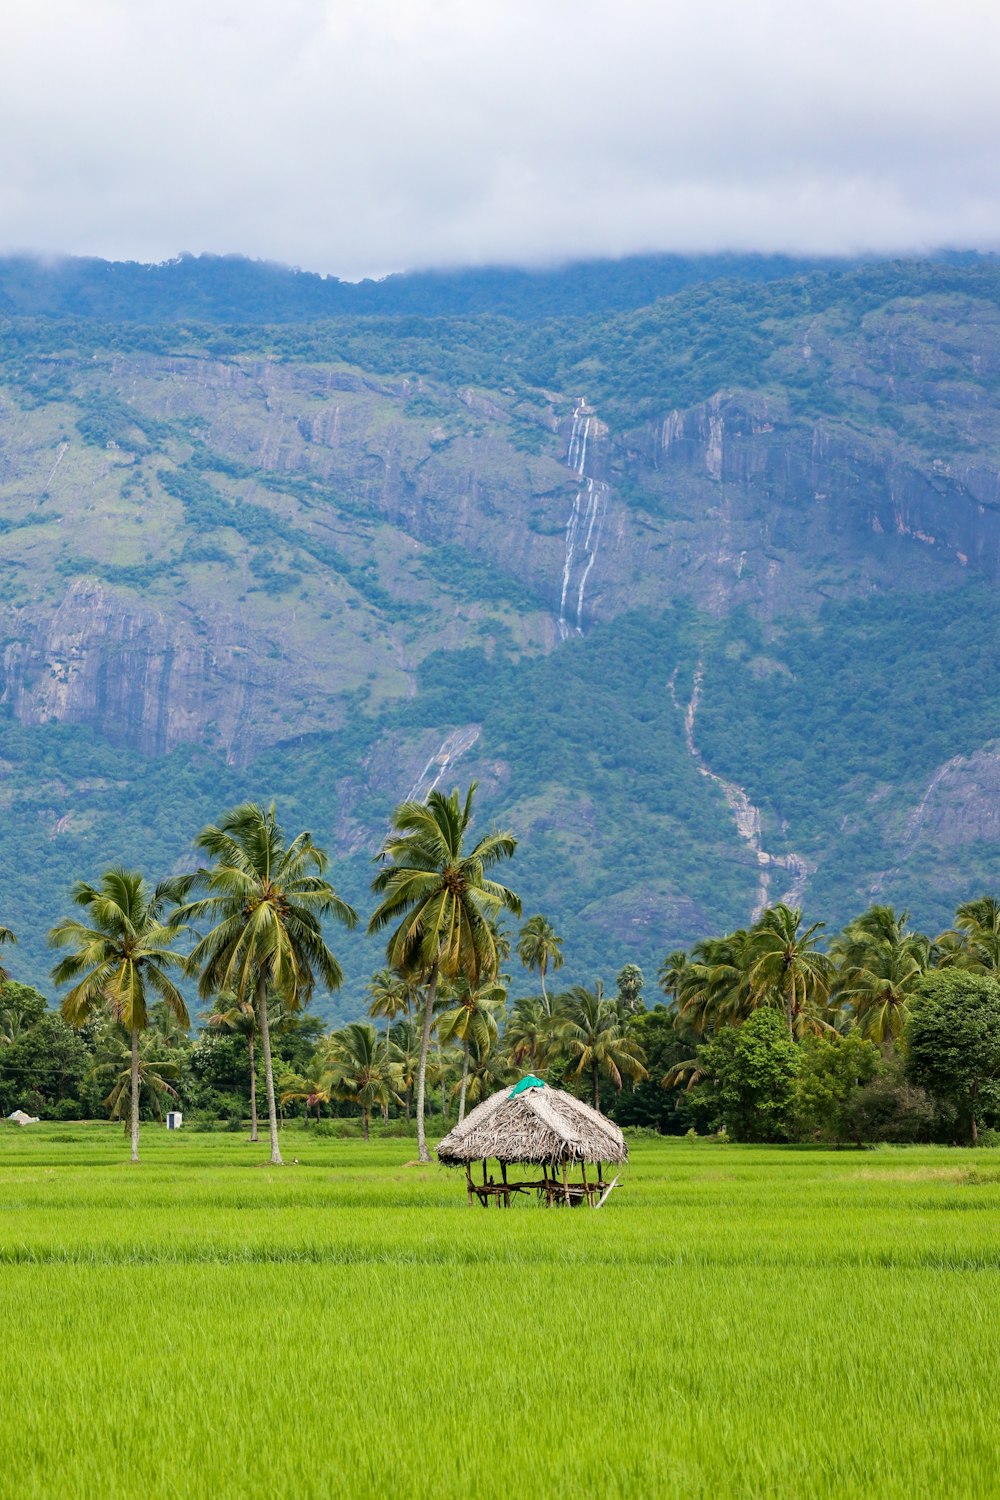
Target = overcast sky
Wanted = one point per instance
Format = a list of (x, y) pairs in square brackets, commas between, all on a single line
[(362, 136)]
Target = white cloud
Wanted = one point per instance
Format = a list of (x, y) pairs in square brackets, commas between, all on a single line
[(357, 137)]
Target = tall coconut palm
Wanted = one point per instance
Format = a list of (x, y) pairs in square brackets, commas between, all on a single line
[(787, 968), (444, 906), (473, 1018), (880, 964), (539, 949), (120, 955), (6, 936), (590, 1028), (359, 1071), (238, 1016), (266, 897)]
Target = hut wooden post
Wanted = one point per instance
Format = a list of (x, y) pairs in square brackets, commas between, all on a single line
[(506, 1195), (586, 1185), (565, 1185), (468, 1182)]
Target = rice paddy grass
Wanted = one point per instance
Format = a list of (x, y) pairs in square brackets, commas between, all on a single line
[(735, 1321)]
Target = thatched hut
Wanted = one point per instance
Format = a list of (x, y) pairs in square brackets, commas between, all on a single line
[(534, 1125)]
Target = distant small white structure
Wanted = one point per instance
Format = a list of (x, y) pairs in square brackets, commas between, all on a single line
[(20, 1118), (175, 1119)]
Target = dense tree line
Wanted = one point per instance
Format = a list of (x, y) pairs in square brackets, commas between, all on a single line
[(770, 1033)]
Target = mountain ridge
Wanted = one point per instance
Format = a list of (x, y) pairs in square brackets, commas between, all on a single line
[(272, 560)]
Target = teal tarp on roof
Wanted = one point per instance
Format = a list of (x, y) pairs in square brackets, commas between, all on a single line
[(529, 1081)]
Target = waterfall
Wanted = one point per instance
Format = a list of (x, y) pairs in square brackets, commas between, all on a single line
[(584, 526), (455, 743), (745, 813)]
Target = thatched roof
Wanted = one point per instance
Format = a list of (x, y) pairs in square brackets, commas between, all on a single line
[(533, 1123)]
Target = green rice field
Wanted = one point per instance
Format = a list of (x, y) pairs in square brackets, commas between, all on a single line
[(735, 1321)]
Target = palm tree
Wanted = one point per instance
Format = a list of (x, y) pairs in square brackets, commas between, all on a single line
[(538, 947), (488, 1072), (392, 995), (787, 968), (527, 1032), (266, 897), (671, 973), (474, 1018), (590, 1028), (6, 936), (313, 1091), (154, 1073), (404, 1053), (880, 964), (359, 1073), (713, 986), (124, 953), (976, 944), (443, 904), (232, 1014)]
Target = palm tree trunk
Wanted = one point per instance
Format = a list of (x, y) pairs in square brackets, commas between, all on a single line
[(465, 1080), (135, 1095), (545, 996), (265, 1037), (597, 1088), (364, 1123), (253, 1090), (425, 1044)]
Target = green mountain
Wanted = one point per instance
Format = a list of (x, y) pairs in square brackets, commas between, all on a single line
[(700, 591)]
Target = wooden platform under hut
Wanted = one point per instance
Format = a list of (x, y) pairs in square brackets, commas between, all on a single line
[(533, 1125)]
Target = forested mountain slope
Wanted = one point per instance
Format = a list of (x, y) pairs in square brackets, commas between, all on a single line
[(701, 591)]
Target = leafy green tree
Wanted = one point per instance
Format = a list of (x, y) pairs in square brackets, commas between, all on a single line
[(443, 904), (749, 1077), (266, 898), (880, 965), (832, 1072), (953, 1044), (787, 968), (590, 1029), (666, 1041), (360, 1073), (123, 955), (21, 1006), (44, 1067), (472, 1018), (539, 949)]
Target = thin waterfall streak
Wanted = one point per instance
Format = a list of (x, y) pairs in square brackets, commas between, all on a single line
[(583, 448), (571, 531), (597, 513)]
